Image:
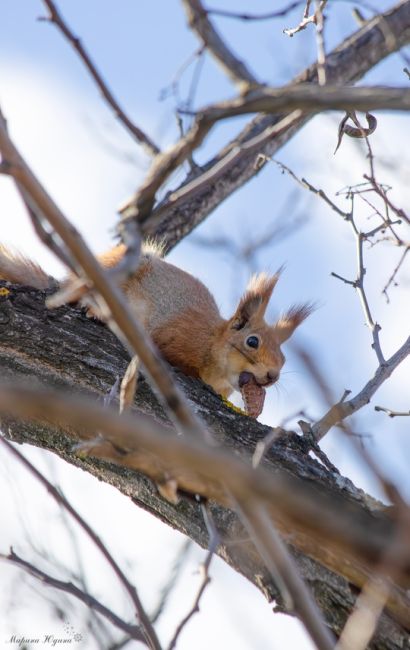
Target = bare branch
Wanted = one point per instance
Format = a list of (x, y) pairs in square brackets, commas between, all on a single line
[(359, 286), (344, 409), (232, 66), (246, 16), (132, 631), (318, 192), (194, 188), (171, 581), (392, 414), (312, 98), (140, 205), (147, 627), (306, 20), (346, 64), (360, 237), (396, 269), (320, 42), (56, 18), (263, 445), (379, 189), (204, 569), (62, 357), (307, 97)]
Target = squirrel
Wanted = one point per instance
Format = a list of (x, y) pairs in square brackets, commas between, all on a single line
[(181, 316)]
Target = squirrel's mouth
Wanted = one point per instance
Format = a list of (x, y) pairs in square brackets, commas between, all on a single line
[(253, 394)]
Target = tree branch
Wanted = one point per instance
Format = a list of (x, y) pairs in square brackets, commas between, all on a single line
[(346, 64), (345, 408), (232, 66), (69, 588), (60, 361), (147, 628), (279, 562), (311, 98), (56, 18)]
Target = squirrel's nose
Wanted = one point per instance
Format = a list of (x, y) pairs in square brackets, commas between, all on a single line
[(273, 375)]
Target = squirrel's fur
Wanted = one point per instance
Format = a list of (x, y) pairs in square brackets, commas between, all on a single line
[(17, 268), (182, 317)]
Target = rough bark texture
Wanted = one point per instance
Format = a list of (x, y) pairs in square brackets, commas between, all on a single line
[(347, 63), (64, 349)]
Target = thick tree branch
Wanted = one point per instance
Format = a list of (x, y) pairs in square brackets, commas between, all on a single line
[(311, 98), (231, 65), (306, 98), (79, 355), (346, 64)]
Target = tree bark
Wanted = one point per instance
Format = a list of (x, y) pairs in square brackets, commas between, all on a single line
[(66, 350)]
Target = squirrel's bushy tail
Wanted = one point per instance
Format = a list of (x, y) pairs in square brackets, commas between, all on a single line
[(19, 269)]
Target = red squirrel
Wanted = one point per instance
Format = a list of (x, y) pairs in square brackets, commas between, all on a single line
[(180, 314)]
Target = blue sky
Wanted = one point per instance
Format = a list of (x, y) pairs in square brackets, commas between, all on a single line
[(90, 166)]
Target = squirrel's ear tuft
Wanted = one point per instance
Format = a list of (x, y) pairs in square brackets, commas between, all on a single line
[(289, 321), (256, 298)]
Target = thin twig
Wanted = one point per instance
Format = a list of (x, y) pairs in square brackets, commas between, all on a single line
[(166, 590), (341, 410), (318, 192), (246, 16), (306, 20), (212, 547), (43, 234), (396, 269), (359, 286), (378, 188), (320, 43), (360, 237), (133, 631), (146, 625), (56, 18), (173, 86), (391, 413)]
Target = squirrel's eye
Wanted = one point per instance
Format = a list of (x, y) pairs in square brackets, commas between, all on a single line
[(252, 342)]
